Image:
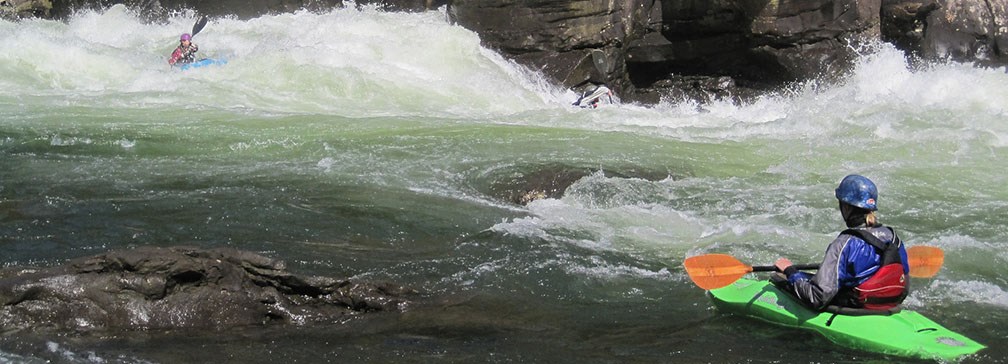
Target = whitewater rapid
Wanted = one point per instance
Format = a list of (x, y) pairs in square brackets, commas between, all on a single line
[(364, 143)]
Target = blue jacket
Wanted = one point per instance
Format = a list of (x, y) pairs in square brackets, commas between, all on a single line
[(849, 261)]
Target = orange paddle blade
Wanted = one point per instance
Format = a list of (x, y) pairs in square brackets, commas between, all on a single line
[(712, 271), (925, 261)]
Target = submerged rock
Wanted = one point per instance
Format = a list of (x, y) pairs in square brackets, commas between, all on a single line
[(181, 287), (523, 184)]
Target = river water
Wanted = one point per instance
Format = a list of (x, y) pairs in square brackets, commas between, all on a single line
[(365, 144)]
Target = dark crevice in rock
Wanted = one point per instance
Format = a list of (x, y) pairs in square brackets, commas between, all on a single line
[(185, 278)]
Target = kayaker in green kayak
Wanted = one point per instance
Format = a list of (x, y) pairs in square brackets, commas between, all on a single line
[(866, 266)]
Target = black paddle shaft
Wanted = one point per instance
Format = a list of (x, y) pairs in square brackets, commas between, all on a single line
[(770, 268)]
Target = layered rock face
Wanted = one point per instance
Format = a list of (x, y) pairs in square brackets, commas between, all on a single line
[(750, 44), (962, 30), (967, 30), (642, 46), (571, 40), (13, 9), (180, 287), (649, 49)]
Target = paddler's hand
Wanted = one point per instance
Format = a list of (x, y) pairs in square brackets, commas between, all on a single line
[(784, 265), (778, 278)]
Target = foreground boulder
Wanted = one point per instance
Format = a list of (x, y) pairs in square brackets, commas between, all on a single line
[(181, 287)]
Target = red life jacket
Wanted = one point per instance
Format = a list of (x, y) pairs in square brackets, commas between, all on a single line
[(888, 287)]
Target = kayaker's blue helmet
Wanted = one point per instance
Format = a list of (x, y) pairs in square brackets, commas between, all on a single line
[(856, 190)]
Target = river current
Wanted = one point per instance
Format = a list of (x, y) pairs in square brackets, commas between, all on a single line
[(365, 144)]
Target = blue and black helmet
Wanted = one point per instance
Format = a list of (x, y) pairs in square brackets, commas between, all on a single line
[(858, 191)]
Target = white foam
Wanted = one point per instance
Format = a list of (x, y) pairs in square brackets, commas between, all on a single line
[(608, 217), (332, 62), (753, 179), (957, 291)]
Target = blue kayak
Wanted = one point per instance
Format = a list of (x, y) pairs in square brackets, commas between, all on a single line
[(205, 62)]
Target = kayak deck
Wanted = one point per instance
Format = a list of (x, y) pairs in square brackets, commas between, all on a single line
[(905, 333), (203, 63)]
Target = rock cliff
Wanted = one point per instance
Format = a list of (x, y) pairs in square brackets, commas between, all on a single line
[(649, 49)]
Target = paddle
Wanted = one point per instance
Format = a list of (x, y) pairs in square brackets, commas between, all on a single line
[(711, 271), (601, 63), (925, 261), (196, 28)]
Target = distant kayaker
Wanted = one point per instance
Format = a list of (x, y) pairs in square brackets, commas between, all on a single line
[(185, 52), (591, 98), (864, 267)]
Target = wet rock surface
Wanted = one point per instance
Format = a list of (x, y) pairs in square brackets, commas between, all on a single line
[(966, 30), (181, 287), (526, 183), (14, 9)]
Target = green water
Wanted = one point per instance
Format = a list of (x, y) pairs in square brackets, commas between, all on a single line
[(373, 145)]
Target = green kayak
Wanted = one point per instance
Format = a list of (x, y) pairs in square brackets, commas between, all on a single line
[(903, 333)]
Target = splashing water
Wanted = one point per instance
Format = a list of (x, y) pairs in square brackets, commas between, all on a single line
[(363, 143)]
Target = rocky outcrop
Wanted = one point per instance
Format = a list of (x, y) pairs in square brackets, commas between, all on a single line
[(961, 30), (967, 30), (903, 23), (649, 49), (653, 49), (571, 40), (13, 9), (180, 287), (522, 184), (749, 44)]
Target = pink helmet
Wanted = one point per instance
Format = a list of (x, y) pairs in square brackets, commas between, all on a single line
[(185, 36)]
